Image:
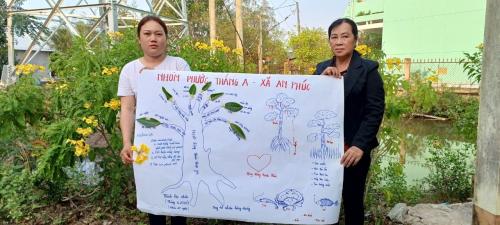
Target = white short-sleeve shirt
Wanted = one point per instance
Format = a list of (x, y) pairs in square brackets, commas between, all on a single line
[(127, 85)]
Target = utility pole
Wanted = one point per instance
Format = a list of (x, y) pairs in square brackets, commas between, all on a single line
[(113, 17), (239, 29), (486, 180), (298, 17), (211, 11), (10, 35), (260, 44)]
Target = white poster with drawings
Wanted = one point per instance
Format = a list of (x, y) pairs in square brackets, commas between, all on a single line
[(245, 147)]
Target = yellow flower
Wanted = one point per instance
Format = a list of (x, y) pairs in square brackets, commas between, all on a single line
[(480, 46), (238, 51), (363, 49), (81, 148), (115, 35), (28, 69), (140, 159), (311, 70), (109, 71), (62, 87), (433, 78), (141, 153), (91, 120), (226, 49), (87, 105), (201, 46), (217, 43), (113, 104), (393, 63), (145, 149), (84, 131)]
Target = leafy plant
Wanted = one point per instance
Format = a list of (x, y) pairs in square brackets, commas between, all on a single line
[(15, 180), (21, 105), (451, 170), (472, 64)]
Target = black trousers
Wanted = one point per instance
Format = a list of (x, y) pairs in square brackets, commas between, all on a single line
[(353, 191), (162, 220)]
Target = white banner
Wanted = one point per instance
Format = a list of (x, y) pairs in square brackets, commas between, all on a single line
[(245, 147)]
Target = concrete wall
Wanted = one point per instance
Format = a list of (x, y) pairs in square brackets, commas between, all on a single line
[(42, 58), (428, 29)]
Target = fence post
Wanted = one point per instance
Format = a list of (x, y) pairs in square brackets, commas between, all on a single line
[(407, 62)]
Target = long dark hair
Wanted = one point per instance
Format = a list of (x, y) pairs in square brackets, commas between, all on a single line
[(151, 18)]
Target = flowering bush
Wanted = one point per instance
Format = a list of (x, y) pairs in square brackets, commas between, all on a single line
[(28, 69), (74, 117), (214, 57)]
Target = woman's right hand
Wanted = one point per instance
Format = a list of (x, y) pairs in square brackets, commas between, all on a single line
[(331, 71), (126, 155)]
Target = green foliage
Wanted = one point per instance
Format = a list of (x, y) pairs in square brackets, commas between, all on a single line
[(451, 170), (149, 122), (309, 47), (21, 105), (466, 119), (237, 131), (203, 57), (473, 63), (421, 95), (215, 96), (83, 98), (272, 40), (18, 195), (395, 105), (233, 106)]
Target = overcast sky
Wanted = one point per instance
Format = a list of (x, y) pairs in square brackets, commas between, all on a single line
[(313, 13)]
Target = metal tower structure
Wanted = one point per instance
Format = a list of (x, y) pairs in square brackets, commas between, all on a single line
[(100, 15)]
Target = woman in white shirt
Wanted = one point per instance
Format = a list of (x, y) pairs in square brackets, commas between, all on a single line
[(152, 36)]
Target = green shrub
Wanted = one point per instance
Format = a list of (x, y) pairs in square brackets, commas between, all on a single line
[(451, 170), (18, 196)]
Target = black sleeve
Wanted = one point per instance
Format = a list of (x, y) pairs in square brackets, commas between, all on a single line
[(318, 70), (321, 67), (373, 112)]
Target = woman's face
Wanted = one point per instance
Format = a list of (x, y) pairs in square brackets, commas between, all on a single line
[(342, 40), (152, 39)]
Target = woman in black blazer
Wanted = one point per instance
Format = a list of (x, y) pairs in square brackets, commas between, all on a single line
[(363, 112)]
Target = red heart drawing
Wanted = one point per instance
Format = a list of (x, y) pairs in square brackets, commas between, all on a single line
[(259, 163)]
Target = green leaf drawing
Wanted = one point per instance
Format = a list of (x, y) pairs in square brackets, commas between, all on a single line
[(206, 86), (192, 90), (237, 131), (168, 95), (215, 96), (149, 122), (233, 106)]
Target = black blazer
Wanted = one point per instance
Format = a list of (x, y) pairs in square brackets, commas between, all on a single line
[(364, 101)]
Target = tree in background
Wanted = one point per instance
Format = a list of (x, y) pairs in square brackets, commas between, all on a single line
[(21, 25), (309, 48), (273, 46)]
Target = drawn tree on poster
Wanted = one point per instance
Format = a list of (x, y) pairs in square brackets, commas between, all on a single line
[(203, 110), (282, 109), (326, 129)]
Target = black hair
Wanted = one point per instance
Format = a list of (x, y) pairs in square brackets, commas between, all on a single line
[(151, 18), (336, 23)]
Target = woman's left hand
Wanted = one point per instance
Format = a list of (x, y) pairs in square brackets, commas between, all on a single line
[(351, 157)]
